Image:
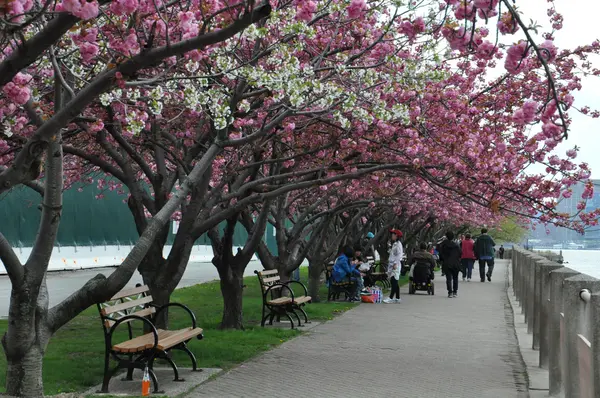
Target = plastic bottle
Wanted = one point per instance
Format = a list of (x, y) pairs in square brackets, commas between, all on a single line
[(146, 383)]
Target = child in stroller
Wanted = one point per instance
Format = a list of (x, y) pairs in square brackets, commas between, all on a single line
[(421, 271)]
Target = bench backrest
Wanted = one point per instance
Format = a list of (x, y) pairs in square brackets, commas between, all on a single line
[(268, 278), (133, 301)]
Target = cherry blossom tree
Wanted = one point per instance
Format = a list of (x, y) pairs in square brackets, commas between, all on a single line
[(49, 79), (349, 96)]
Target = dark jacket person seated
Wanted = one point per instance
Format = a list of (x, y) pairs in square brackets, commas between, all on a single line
[(422, 258)]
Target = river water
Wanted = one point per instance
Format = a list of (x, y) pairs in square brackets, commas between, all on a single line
[(584, 261)]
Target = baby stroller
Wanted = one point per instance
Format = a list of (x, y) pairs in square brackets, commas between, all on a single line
[(422, 279)]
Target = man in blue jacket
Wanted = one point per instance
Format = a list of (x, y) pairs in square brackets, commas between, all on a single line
[(484, 251), (343, 268)]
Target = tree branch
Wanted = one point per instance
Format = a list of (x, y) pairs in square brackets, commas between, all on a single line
[(11, 262), (99, 288)]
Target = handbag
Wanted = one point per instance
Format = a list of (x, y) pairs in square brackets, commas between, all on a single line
[(368, 298)]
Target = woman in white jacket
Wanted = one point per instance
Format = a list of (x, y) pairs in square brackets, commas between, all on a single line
[(394, 266)]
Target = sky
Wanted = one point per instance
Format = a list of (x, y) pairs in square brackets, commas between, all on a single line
[(580, 27)]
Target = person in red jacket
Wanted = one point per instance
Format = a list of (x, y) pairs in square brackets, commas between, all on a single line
[(468, 257)]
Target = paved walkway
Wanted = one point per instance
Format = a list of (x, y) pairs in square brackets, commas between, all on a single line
[(424, 347)]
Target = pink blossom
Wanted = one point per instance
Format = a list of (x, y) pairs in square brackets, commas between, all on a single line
[(548, 50), (124, 7), (507, 24), (572, 153), (486, 50), (305, 9), (81, 8), (88, 51), (356, 9), (486, 4), (17, 90), (464, 10)]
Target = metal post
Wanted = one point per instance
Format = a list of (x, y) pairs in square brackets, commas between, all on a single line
[(557, 278)]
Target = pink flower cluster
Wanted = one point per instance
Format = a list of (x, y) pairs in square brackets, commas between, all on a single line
[(305, 9), (124, 7), (18, 90), (507, 24), (356, 9), (412, 29), (189, 26), (526, 114), (486, 50), (80, 8), (86, 41), (548, 50), (486, 4), (458, 38), (516, 58), (16, 7), (572, 153), (464, 10), (129, 46)]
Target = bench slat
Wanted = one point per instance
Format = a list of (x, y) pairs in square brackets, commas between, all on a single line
[(143, 313), (268, 272), (280, 301), (302, 299), (130, 292), (141, 343), (271, 279), (178, 337), (126, 305)]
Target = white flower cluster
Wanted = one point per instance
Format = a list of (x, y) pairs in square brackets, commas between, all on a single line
[(135, 126), (108, 98), (7, 126), (155, 103), (252, 32)]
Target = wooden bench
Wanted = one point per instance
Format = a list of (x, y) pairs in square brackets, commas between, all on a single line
[(137, 352), (335, 289), (279, 298), (381, 277)]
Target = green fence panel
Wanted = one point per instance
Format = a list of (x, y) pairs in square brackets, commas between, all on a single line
[(86, 220)]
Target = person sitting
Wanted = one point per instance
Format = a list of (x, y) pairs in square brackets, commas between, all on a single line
[(343, 270), (422, 256), (363, 267)]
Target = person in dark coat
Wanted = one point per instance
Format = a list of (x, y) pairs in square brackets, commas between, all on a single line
[(484, 251), (450, 255)]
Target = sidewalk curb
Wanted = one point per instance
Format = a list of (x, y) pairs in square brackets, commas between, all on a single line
[(538, 378)]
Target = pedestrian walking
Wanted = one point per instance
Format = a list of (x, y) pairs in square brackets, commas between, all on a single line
[(501, 252), (468, 257), (484, 251), (394, 266), (450, 255)]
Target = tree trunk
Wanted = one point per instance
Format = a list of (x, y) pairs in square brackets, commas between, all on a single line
[(24, 372), (161, 295), (232, 289), (314, 281), (25, 341), (167, 278)]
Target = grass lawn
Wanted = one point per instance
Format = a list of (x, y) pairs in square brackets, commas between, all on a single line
[(75, 357)]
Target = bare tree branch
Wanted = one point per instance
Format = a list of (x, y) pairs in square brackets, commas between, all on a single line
[(11, 262)]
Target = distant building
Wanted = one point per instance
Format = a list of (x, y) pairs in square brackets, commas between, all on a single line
[(569, 205)]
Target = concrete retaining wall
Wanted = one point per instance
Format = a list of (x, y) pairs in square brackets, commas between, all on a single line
[(561, 307)]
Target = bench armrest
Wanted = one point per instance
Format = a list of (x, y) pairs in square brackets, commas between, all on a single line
[(137, 317), (301, 284), (283, 285), (185, 307)]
